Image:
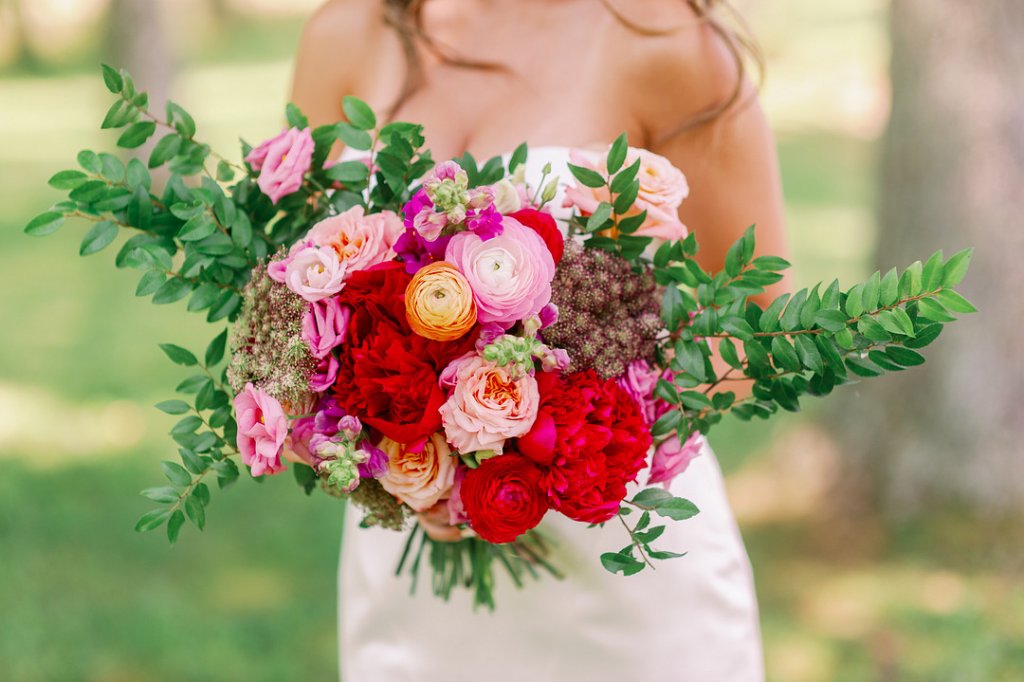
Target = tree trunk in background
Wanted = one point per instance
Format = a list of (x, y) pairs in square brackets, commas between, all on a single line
[(952, 176), (139, 43)]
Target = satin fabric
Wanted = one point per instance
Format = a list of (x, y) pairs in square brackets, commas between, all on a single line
[(693, 618)]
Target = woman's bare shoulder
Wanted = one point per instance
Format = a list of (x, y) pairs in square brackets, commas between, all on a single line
[(675, 64), (344, 25)]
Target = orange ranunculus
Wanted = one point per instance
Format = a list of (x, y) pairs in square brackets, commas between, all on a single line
[(439, 303)]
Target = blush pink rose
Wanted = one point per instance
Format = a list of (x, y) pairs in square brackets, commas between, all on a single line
[(282, 161), (262, 429), (419, 476), (663, 188), (488, 405), (510, 274), (324, 325), (672, 458), (360, 240), (314, 273)]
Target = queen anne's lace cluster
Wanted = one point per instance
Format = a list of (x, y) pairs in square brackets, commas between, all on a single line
[(267, 347), (608, 315)]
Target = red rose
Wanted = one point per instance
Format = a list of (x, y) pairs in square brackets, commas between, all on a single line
[(600, 444), (503, 497), (387, 375), (544, 225)]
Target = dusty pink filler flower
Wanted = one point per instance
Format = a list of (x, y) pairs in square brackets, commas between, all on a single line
[(262, 429), (282, 161)]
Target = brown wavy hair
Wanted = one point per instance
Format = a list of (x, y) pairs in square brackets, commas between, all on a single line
[(406, 18)]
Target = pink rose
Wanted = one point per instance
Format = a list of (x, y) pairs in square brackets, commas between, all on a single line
[(639, 382), (663, 188), (488, 406), (282, 161), (262, 429), (278, 267), (325, 375), (324, 326), (457, 510), (314, 273), (510, 274), (419, 476), (360, 240), (672, 458)]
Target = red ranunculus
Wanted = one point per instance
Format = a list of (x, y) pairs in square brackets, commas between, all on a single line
[(503, 497), (544, 225), (600, 444), (387, 375)]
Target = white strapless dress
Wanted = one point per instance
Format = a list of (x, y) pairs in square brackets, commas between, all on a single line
[(694, 618)]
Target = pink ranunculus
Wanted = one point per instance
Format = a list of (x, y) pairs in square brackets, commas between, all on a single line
[(639, 382), (324, 325), (663, 188), (510, 274), (672, 458), (314, 273), (360, 240), (282, 161), (325, 375), (488, 406), (262, 429)]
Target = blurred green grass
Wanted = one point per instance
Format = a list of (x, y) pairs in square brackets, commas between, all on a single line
[(82, 597)]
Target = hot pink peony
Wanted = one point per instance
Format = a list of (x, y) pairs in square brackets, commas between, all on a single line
[(314, 273), (282, 161), (510, 273), (488, 406), (324, 325), (672, 458), (262, 429), (360, 240)]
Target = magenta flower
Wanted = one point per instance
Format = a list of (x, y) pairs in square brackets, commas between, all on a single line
[(262, 429), (325, 374)]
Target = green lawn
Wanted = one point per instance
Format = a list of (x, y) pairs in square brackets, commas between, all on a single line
[(82, 597)]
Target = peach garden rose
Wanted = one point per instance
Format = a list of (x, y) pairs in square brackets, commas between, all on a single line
[(361, 240), (420, 477)]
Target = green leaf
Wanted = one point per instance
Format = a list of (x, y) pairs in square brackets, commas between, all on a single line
[(120, 114), (666, 423), (518, 157), (870, 328), (931, 276), (691, 359), (356, 139), (791, 318), (889, 289), (599, 217), (677, 509), (295, 117), (173, 289), (810, 308), (930, 309), (830, 320), (695, 400), (166, 148), (663, 554), (769, 320), (349, 172), (672, 308), (896, 321), (617, 154), (727, 350), (910, 280), (955, 302), (203, 297), (152, 519), (195, 511), (67, 179), (737, 327), (784, 355), (174, 525), (98, 237), (871, 291), (807, 351), (925, 335), (586, 176), (757, 358), (173, 406), (862, 367), (854, 305), (956, 267), (771, 263), (904, 356), (617, 562), (179, 355), (358, 113), (624, 201), (136, 134), (193, 462), (215, 351), (733, 259), (44, 224), (175, 473), (112, 79), (666, 391), (181, 120), (197, 228), (651, 497), (164, 494)]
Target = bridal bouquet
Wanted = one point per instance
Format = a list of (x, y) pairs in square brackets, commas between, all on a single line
[(427, 341)]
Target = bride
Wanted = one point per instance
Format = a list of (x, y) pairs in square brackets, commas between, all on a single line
[(482, 76)]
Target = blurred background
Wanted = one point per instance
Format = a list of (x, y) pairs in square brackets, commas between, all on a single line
[(885, 526)]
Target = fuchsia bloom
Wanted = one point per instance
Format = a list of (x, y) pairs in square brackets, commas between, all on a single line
[(510, 274), (282, 161), (262, 429), (324, 326)]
